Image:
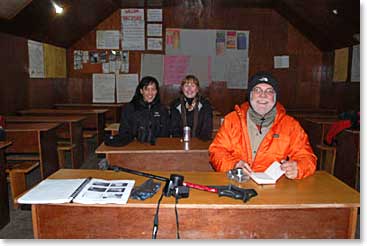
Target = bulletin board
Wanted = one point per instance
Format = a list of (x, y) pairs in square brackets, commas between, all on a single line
[(211, 55)]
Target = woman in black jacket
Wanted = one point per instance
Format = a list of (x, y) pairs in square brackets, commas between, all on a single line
[(193, 110), (144, 117)]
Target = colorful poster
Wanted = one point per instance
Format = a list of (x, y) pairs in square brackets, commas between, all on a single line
[(241, 40), (231, 40), (173, 38), (220, 43)]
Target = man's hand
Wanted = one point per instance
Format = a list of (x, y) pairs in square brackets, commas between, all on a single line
[(290, 168), (245, 167)]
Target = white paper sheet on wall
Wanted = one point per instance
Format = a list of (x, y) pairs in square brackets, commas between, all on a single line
[(154, 15), (133, 29), (126, 86), (109, 39), (236, 70), (152, 65), (36, 62), (103, 88), (355, 77), (200, 66)]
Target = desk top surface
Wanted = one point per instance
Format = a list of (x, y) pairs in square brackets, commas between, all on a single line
[(162, 145), (18, 127), (320, 190), (44, 118), (62, 111)]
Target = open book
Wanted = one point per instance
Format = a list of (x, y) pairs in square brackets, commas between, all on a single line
[(86, 191), (270, 176)]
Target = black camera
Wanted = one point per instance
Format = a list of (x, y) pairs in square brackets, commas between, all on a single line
[(174, 187)]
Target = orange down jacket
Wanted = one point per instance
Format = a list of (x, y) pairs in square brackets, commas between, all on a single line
[(285, 138)]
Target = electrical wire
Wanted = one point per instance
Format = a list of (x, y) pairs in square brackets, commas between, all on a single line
[(155, 223), (177, 224)]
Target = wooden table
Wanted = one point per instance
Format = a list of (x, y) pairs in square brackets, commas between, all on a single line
[(112, 116), (4, 196), (319, 206), (95, 117), (71, 129), (168, 154), (39, 138)]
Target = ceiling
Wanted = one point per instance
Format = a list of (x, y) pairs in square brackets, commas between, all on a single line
[(34, 19)]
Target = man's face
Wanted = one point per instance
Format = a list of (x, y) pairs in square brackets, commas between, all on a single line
[(262, 98), (190, 89), (149, 92)]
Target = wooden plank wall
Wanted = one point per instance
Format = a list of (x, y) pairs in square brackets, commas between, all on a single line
[(308, 77), (270, 34)]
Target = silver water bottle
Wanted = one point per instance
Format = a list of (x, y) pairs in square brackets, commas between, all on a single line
[(186, 134)]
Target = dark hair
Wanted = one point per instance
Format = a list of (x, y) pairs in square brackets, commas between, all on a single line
[(144, 82)]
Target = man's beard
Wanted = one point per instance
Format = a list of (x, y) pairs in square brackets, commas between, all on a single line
[(260, 109)]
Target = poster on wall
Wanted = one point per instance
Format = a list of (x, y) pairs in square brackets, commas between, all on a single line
[(133, 29), (354, 76), (154, 15), (125, 86), (109, 39), (103, 88), (36, 62)]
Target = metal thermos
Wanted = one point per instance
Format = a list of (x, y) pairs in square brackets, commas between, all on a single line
[(186, 133)]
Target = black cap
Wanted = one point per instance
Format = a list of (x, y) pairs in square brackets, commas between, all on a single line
[(262, 77)]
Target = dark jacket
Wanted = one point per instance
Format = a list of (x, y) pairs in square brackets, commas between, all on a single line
[(143, 121), (204, 125)]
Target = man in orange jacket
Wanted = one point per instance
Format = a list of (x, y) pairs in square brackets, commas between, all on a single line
[(259, 132)]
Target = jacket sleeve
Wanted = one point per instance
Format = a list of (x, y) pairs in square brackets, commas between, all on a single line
[(206, 129), (175, 125), (126, 129), (164, 130), (221, 150), (301, 151)]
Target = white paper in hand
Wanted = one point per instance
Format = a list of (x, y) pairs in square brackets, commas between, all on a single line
[(270, 176)]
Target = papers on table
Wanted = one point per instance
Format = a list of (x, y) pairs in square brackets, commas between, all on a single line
[(270, 176), (85, 191)]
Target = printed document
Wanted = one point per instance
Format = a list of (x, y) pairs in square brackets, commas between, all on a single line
[(85, 191), (270, 176)]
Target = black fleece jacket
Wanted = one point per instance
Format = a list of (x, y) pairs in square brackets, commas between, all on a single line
[(205, 119)]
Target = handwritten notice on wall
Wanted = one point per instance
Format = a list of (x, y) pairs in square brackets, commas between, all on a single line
[(108, 39), (133, 29)]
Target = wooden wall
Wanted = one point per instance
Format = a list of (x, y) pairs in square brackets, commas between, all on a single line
[(18, 91), (270, 35), (301, 86)]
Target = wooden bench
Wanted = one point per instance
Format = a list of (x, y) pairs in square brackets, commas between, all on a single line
[(62, 148), (16, 173)]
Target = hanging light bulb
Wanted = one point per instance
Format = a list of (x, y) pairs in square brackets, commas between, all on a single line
[(58, 9)]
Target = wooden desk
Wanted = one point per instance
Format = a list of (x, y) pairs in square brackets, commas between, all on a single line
[(168, 154), (71, 129), (37, 138), (319, 206), (348, 157), (112, 116), (4, 196), (95, 117)]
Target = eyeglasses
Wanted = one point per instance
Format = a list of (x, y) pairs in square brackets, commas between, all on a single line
[(268, 92)]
